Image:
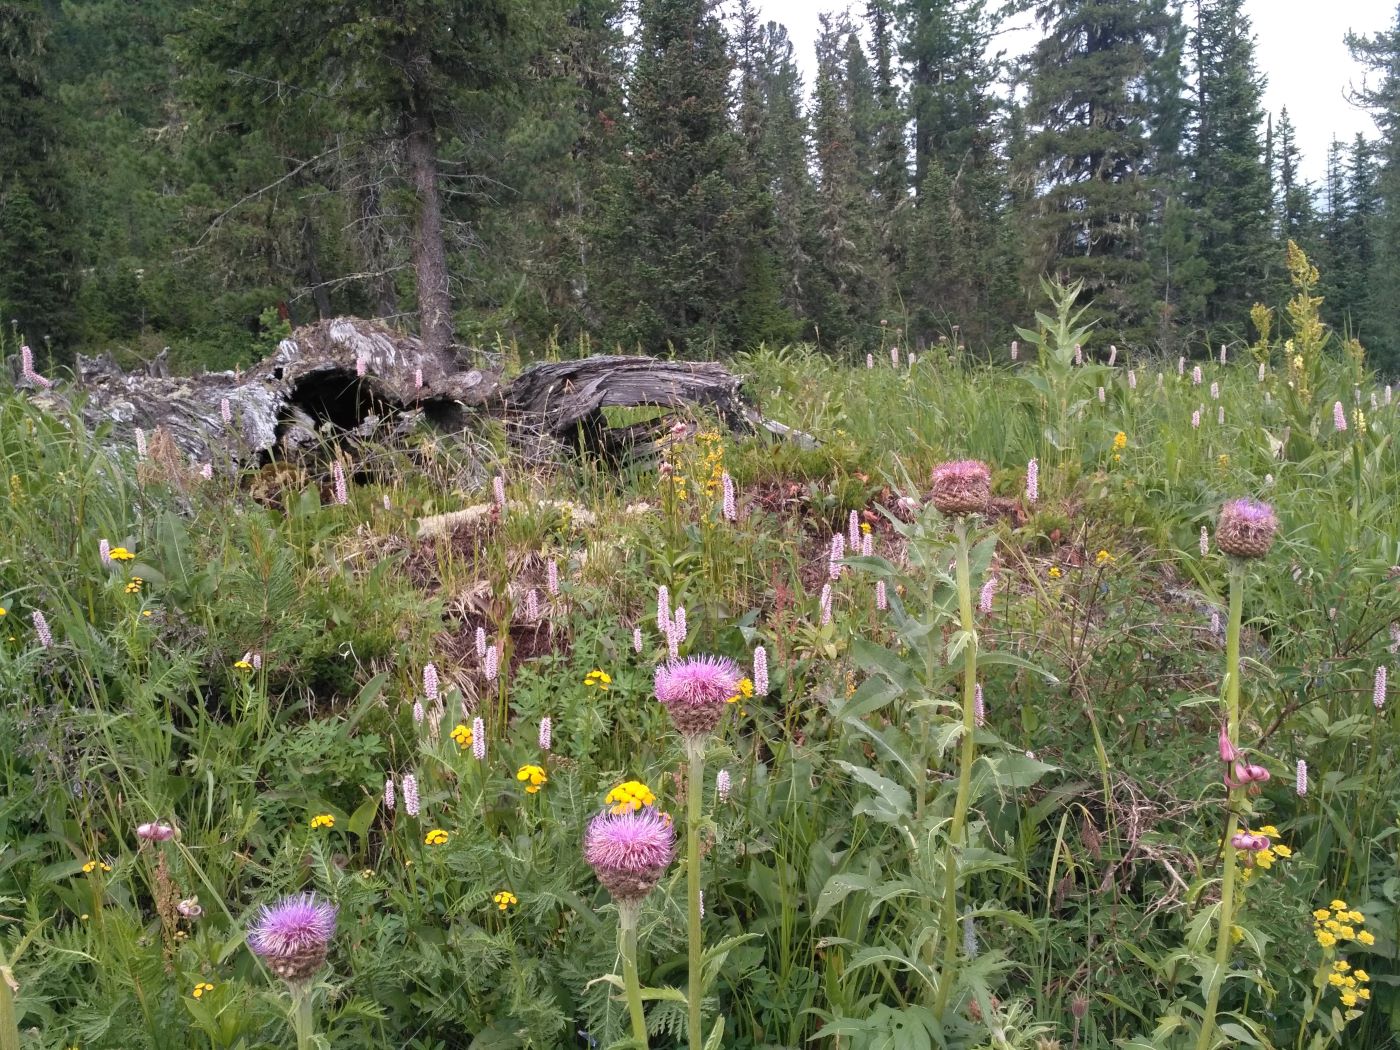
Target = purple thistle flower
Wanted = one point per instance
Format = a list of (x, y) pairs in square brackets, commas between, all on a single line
[(293, 936), (722, 785), (826, 604), (1015, 349), (342, 494), (696, 690), (1205, 541), (1102, 395), (410, 794), (760, 670), (1339, 416), (532, 605), (1378, 695), (430, 681), (546, 733), (1246, 528), (389, 793), (1032, 481), (1132, 379), (1302, 778), (140, 443), (636, 639), (988, 592), (838, 551), (853, 530), (498, 489), (41, 628), (979, 707), (104, 552), (630, 851), (731, 512), (882, 601), (1196, 376), (492, 662), (551, 577), (479, 739), (481, 643), (1112, 355), (417, 379)]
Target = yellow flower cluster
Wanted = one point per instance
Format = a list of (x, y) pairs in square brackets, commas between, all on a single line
[(462, 735), (323, 820), (1350, 983), (1120, 441), (1055, 572), (1104, 558), (533, 777), (201, 988), (1256, 861), (504, 899), (745, 691), (1338, 923), (242, 665), (436, 837), (598, 680), (120, 554), (93, 865), (714, 459), (133, 585), (629, 795)]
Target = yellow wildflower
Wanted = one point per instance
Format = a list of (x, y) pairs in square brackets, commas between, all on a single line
[(201, 988), (1338, 905), (1355, 916), (462, 735), (93, 865), (242, 665), (1348, 999), (1269, 830), (1346, 933), (1361, 975), (629, 795), (322, 820), (120, 554), (1335, 980), (745, 691), (436, 837), (1341, 966), (1055, 572), (1223, 459), (504, 899), (1366, 937), (865, 528), (1322, 914), (533, 777), (1120, 441), (133, 585), (1363, 993), (1325, 939), (1283, 851), (1333, 925), (598, 679), (4, 611), (1103, 558)]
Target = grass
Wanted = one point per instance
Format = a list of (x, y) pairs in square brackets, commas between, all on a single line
[(1088, 880)]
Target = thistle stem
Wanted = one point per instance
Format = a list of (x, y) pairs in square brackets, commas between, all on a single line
[(627, 921), (302, 1022), (957, 831), (9, 1023), (695, 783), (1224, 936)]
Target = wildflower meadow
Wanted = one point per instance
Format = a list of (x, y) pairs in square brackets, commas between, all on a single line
[(1044, 701)]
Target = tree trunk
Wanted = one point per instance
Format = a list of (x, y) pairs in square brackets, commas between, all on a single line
[(429, 250), (314, 278)]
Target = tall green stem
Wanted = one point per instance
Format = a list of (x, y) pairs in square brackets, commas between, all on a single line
[(695, 785), (1224, 937), (957, 832), (627, 921), (9, 1023), (302, 1021)]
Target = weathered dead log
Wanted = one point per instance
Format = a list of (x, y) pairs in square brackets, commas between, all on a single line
[(352, 377)]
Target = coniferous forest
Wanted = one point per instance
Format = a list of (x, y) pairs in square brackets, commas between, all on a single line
[(659, 174)]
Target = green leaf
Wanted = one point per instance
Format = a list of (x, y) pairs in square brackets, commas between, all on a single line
[(891, 802), (360, 820)]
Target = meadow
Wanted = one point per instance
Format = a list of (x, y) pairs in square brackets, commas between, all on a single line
[(1074, 752)]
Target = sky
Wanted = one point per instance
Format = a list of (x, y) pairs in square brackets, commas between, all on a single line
[(1298, 47)]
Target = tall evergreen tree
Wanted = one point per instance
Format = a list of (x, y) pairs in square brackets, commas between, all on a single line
[(36, 280), (889, 172), (1231, 179), (1090, 148), (676, 224), (1293, 207), (1380, 53)]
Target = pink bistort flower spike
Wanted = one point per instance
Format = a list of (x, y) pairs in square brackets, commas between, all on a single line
[(869, 360), (1215, 391), (1112, 355), (1339, 416), (826, 604), (417, 379), (853, 530), (882, 601), (207, 472), (867, 545), (479, 739), (410, 794), (663, 608), (492, 662), (760, 671), (1181, 366), (1015, 349), (987, 594), (979, 706), (838, 551), (1132, 379), (140, 443), (722, 785), (1378, 693), (1102, 395), (532, 605), (498, 489), (430, 681), (1078, 354), (418, 713), (481, 643), (1196, 420), (1222, 353), (41, 630), (551, 578), (225, 410), (1196, 376), (342, 493), (894, 356), (1220, 415), (1205, 541), (1301, 779), (104, 552), (728, 506), (546, 733), (636, 639), (1032, 481), (389, 793)]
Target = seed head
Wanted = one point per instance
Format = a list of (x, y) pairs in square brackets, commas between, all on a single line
[(1246, 528), (961, 487)]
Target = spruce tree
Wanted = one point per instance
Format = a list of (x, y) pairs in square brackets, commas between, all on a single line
[(1091, 151), (1231, 183)]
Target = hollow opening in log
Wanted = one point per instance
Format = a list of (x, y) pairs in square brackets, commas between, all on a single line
[(338, 397)]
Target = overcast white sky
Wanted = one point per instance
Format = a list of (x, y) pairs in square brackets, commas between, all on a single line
[(1299, 48)]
